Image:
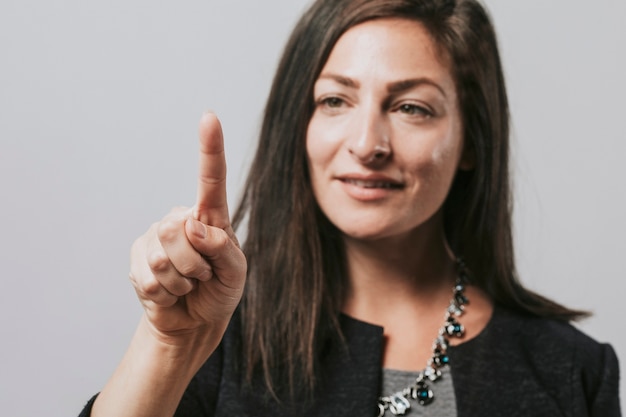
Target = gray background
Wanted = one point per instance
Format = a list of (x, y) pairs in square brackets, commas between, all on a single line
[(99, 104)]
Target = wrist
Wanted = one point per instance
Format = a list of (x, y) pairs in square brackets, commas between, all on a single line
[(156, 370), (183, 350)]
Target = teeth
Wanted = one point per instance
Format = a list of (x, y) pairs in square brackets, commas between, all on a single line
[(371, 184)]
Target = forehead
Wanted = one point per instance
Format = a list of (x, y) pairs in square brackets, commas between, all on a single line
[(389, 48)]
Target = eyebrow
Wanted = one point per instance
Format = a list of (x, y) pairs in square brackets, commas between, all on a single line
[(345, 81), (395, 87)]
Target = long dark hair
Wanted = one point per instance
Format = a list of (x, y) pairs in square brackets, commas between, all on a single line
[(296, 263)]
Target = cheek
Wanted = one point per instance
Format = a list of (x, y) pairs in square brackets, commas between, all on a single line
[(317, 159), (446, 152), (312, 153), (312, 145), (445, 158), (435, 162), (434, 148), (320, 147)]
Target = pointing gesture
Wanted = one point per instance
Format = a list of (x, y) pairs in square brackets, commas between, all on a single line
[(188, 272), (211, 206), (188, 269)]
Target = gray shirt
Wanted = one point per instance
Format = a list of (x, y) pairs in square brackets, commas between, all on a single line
[(444, 403)]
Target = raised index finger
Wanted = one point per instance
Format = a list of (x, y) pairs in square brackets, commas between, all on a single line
[(211, 205)]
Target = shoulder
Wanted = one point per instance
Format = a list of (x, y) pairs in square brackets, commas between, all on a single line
[(549, 340), (551, 362), (541, 332)]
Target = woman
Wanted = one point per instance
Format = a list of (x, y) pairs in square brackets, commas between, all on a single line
[(383, 157)]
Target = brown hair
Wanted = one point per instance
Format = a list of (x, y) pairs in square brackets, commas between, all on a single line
[(297, 279)]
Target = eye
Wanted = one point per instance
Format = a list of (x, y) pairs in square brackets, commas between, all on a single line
[(332, 105), (332, 102), (411, 109)]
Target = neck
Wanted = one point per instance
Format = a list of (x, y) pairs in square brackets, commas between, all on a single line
[(413, 272)]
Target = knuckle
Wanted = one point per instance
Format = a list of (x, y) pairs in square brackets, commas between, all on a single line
[(150, 289), (168, 230), (158, 261)]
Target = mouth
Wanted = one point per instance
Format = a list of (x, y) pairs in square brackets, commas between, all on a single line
[(372, 184)]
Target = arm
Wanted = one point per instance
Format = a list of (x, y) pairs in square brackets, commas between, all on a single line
[(153, 374), (188, 272)]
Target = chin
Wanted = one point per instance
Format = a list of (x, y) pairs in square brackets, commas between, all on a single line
[(376, 228), (366, 232)]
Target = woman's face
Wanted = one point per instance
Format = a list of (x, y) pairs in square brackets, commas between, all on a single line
[(385, 139)]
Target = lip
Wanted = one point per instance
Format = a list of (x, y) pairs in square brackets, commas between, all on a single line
[(369, 187)]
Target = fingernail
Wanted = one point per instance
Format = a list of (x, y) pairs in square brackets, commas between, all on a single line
[(197, 228), (206, 275)]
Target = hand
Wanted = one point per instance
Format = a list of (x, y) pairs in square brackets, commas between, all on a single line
[(188, 269)]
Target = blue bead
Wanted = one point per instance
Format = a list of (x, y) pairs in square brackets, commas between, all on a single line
[(424, 396)]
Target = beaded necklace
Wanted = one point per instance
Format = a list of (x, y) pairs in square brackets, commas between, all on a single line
[(398, 402)]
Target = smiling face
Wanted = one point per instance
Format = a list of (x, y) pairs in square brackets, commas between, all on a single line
[(385, 139)]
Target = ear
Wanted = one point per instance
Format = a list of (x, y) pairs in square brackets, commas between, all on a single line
[(468, 157)]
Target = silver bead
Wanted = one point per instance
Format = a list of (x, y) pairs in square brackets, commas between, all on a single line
[(399, 405)]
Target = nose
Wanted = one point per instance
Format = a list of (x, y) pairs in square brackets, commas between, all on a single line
[(369, 144)]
